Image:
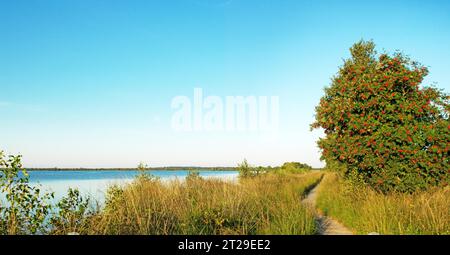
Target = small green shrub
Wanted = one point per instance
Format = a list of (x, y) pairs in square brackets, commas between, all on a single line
[(245, 170), (72, 211), (26, 208), (293, 167)]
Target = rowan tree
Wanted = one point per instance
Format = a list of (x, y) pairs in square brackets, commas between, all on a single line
[(383, 125)]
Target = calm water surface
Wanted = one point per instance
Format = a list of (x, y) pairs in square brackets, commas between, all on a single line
[(95, 183)]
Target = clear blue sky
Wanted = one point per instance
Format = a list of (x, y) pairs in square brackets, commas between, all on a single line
[(89, 83)]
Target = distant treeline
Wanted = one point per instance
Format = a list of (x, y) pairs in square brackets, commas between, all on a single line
[(167, 168)]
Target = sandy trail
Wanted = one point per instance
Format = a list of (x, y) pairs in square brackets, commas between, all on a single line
[(327, 225)]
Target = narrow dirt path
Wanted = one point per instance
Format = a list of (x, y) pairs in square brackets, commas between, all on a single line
[(327, 225)]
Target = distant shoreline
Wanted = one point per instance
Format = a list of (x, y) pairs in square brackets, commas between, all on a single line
[(189, 168)]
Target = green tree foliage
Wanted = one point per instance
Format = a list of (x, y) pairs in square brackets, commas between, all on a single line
[(25, 208), (295, 165), (72, 213), (383, 125), (245, 170)]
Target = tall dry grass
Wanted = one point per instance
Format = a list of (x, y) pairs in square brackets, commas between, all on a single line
[(267, 204), (364, 210)]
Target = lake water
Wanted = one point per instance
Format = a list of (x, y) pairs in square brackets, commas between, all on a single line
[(95, 183)]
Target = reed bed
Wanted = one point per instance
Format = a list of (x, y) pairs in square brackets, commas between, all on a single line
[(266, 204)]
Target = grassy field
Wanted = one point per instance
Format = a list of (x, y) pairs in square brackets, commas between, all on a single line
[(364, 210), (266, 204)]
